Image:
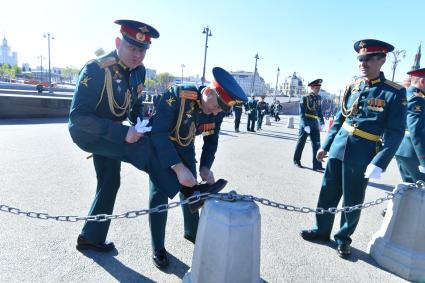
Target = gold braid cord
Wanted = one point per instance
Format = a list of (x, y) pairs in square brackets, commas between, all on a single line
[(116, 109), (310, 107), (184, 141), (353, 109)]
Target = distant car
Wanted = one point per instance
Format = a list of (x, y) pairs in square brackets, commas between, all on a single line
[(39, 88)]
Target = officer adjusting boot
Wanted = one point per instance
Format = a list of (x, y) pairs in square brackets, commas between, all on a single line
[(202, 188)]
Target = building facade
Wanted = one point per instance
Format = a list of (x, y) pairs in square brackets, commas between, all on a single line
[(292, 86), (8, 57), (246, 81)]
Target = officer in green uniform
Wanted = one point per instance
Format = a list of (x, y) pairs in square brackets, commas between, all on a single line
[(182, 113), (101, 102), (251, 110), (310, 114), (410, 155), (261, 111), (237, 109), (372, 108)]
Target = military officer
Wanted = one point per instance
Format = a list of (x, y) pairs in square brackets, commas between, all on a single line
[(237, 109), (310, 115), (251, 110), (261, 111), (108, 89), (182, 113), (372, 107), (410, 155), (276, 110)]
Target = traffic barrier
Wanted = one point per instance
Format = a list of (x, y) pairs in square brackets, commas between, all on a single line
[(399, 246), (268, 120), (290, 124), (227, 244)]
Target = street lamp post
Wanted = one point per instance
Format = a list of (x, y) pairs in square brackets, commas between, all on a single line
[(49, 36), (255, 72), (207, 32), (182, 71), (397, 54), (277, 80)]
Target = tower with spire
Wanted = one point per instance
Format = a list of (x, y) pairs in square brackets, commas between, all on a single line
[(416, 63), (6, 56)]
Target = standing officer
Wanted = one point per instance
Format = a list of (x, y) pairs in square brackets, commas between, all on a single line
[(310, 114), (237, 109), (101, 102), (183, 112), (251, 110), (261, 111), (372, 107), (410, 155), (277, 109)]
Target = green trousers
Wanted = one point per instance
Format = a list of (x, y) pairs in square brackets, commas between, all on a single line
[(341, 180)]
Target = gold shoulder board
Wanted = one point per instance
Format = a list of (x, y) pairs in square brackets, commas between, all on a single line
[(188, 94), (106, 62), (393, 84), (419, 94)]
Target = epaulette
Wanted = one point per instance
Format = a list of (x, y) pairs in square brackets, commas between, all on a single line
[(188, 92), (393, 84), (419, 94), (106, 61)]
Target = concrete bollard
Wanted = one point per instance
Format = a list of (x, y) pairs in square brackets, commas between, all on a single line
[(227, 244), (399, 246), (268, 120), (290, 124)]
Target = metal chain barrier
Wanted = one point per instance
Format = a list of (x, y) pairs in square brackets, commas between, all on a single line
[(231, 196)]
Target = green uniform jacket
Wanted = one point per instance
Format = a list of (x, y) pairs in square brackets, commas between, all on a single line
[(311, 104), (413, 144), (381, 111), (168, 128)]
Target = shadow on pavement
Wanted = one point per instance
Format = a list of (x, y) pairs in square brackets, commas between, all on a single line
[(114, 267), (29, 121), (176, 267), (264, 134), (384, 187)]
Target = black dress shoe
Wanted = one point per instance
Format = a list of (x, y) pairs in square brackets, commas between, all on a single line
[(160, 258), (189, 238), (206, 188), (298, 163), (343, 250), (312, 235), (85, 244), (318, 169)]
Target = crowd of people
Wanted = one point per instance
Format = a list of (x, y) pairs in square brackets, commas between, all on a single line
[(365, 136)]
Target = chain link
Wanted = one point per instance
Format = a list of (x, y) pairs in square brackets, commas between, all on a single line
[(231, 196)]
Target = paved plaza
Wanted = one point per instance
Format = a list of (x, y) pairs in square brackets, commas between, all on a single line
[(43, 171)]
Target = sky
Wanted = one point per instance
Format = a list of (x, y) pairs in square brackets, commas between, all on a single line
[(312, 38)]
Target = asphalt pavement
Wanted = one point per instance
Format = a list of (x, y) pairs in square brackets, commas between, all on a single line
[(43, 171)]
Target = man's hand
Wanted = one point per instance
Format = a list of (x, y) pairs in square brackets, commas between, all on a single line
[(207, 175), (132, 135), (307, 129), (184, 175), (421, 169), (321, 154)]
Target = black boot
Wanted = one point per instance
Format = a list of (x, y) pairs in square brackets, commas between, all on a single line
[(202, 188)]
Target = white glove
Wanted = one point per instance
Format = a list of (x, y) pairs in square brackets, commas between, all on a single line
[(141, 126), (307, 129), (373, 172), (421, 169)]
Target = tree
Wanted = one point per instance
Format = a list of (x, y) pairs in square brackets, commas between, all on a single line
[(70, 73), (150, 84), (164, 81)]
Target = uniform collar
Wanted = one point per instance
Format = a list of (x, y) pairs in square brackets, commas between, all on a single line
[(375, 81)]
